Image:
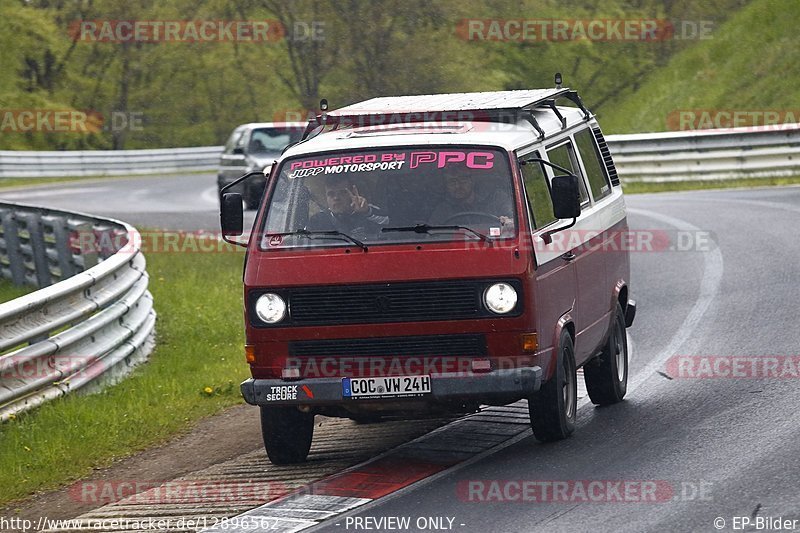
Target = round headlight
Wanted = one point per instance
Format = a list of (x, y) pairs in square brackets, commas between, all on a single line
[(500, 298), (270, 308)]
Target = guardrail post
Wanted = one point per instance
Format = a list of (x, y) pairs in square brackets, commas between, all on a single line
[(11, 235), (64, 254), (84, 245), (38, 249), (107, 240), (101, 321)]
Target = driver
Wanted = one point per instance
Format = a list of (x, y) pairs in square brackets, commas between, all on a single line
[(463, 202), (348, 211)]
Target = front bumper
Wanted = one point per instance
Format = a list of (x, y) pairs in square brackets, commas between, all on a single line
[(521, 382)]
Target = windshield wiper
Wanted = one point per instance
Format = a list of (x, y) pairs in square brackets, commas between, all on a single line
[(427, 228), (332, 233)]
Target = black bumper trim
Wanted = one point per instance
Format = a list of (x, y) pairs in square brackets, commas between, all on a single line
[(328, 391)]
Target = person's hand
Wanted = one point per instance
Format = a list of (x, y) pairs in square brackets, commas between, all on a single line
[(505, 221), (359, 203)]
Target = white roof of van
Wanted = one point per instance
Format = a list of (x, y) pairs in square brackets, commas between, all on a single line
[(504, 135), (426, 103)]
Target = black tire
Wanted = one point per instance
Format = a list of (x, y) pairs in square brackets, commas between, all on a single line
[(606, 376), (553, 408), (287, 434)]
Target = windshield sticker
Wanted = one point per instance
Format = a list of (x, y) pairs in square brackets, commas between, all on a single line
[(389, 162), (494, 232), (275, 240), (479, 160)]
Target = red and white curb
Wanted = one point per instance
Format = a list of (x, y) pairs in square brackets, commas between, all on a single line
[(456, 444), (396, 469)]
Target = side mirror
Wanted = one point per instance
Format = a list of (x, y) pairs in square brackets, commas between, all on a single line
[(238, 150), (566, 197), (231, 214)]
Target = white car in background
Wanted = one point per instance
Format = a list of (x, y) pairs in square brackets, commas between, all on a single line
[(252, 147)]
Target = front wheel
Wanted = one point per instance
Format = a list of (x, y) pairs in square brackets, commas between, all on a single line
[(607, 376), (287, 434), (553, 408)]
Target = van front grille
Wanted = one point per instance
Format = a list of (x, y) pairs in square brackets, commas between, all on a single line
[(383, 303), (419, 346)]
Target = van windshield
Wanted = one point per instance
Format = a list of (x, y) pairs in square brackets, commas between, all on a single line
[(391, 196)]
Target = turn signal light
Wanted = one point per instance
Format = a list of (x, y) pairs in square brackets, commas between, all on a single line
[(530, 342), (250, 353)]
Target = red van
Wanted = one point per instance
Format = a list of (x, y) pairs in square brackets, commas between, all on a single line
[(422, 255)]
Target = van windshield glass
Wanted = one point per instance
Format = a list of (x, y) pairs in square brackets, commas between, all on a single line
[(405, 195)]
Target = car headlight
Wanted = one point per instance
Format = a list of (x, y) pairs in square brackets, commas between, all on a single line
[(500, 298), (270, 308)]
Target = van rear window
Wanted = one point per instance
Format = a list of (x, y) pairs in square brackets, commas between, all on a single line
[(378, 196)]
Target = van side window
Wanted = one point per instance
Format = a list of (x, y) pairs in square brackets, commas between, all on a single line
[(564, 156), (537, 189), (598, 181)]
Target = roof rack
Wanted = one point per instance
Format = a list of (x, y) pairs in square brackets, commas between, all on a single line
[(486, 106)]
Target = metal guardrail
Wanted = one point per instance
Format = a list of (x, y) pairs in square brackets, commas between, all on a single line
[(708, 154), (91, 327), (97, 320), (107, 162), (671, 156)]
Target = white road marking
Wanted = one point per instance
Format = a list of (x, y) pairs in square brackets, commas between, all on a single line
[(709, 285), (210, 196), (757, 203), (712, 276)]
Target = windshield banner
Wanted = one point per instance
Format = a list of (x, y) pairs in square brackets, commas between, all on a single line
[(479, 160)]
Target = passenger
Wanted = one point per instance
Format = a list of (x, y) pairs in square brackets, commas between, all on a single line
[(463, 204), (348, 211)]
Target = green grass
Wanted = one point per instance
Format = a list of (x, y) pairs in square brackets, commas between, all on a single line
[(9, 291), (636, 187), (194, 372), (7, 183), (750, 63)]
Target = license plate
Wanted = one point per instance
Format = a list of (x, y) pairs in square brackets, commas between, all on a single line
[(388, 387)]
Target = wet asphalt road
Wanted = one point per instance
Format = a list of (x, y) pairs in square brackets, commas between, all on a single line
[(181, 202), (727, 447)]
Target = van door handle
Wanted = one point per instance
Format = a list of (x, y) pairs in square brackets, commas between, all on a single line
[(569, 256)]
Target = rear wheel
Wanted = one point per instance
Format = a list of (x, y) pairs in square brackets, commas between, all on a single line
[(552, 409), (607, 376), (287, 434)]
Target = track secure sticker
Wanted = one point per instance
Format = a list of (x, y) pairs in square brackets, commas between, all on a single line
[(282, 393)]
